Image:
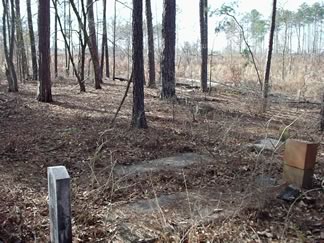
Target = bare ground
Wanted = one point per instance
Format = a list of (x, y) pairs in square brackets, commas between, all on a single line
[(75, 131)]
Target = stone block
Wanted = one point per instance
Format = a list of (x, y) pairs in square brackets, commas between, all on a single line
[(300, 154), (298, 177), (59, 204)]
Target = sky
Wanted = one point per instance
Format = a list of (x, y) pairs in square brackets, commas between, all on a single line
[(188, 18), (188, 15)]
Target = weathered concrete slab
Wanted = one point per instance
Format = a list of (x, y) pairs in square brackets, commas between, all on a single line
[(265, 181), (192, 205), (268, 144), (179, 161)]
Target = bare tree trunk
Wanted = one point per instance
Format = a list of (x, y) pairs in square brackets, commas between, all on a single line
[(283, 69), (322, 114), (83, 37), (55, 41), (138, 116), (203, 7), (211, 70), (44, 84), (168, 53), (268, 64), (159, 52), (10, 69), (114, 41), (65, 27), (93, 45), (107, 58), (298, 33), (32, 41), (303, 40), (70, 40), (21, 43), (151, 58), (104, 49), (82, 60)]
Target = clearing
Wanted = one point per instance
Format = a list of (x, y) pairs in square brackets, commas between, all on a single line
[(219, 189)]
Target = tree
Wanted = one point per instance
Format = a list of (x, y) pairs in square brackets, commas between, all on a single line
[(64, 32), (82, 34), (10, 68), (114, 40), (21, 43), (55, 39), (69, 51), (93, 45), (229, 11), (168, 53), (151, 58), (203, 12), (285, 17), (138, 116), (44, 84), (104, 49), (32, 40), (322, 114), (258, 27), (268, 63)]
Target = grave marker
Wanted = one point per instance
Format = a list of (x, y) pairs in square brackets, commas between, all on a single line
[(59, 200)]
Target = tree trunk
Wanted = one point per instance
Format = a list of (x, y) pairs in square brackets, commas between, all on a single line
[(268, 63), (93, 45), (322, 114), (283, 68), (83, 37), (32, 41), (21, 43), (151, 58), (70, 40), (44, 84), (114, 41), (55, 41), (168, 53), (107, 58), (298, 31), (203, 10), (138, 116), (104, 49), (10, 69), (65, 27)]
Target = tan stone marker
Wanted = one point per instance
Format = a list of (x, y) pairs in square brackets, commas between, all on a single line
[(299, 162)]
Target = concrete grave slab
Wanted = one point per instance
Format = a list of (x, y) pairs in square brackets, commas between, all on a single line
[(266, 181), (187, 205), (268, 144), (174, 162)]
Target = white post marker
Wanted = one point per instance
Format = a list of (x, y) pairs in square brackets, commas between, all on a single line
[(59, 201)]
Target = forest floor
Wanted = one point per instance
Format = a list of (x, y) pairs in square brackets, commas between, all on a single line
[(75, 131)]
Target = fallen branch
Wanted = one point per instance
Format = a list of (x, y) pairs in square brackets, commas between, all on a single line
[(123, 79), (122, 101)]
